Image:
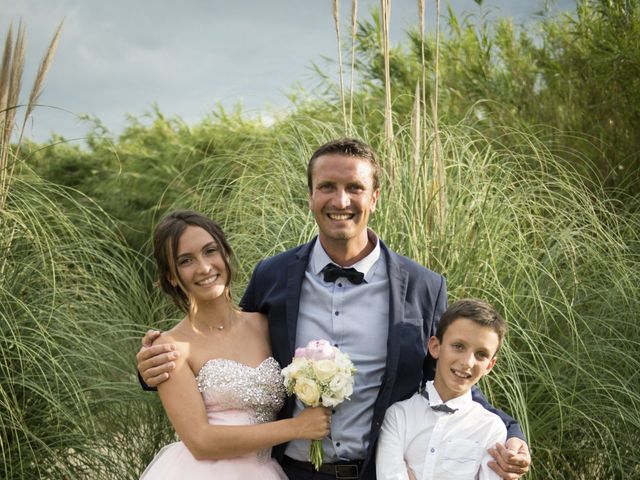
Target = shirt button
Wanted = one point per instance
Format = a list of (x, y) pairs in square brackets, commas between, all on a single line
[(340, 284), (335, 345), (433, 450), (337, 444), (337, 313), (333, 411)]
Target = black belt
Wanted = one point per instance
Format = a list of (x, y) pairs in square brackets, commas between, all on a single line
[(344, 470)]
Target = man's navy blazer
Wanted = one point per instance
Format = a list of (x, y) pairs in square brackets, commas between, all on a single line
[(417, 299)]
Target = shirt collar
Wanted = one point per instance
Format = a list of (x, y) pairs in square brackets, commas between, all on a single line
[(320, 258), (459, 403)]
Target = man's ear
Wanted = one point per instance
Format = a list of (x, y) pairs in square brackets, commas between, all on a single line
[(434, 347), (375, 196)]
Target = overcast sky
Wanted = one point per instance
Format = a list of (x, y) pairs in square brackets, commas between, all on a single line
[(118, 57)]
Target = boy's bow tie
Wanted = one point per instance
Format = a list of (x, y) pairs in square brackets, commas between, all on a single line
[(441, 407)]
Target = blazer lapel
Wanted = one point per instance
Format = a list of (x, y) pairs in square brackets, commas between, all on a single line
[(295, 275), (397, 295), (398, 279)]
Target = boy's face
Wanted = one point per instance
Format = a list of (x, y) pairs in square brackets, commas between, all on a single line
[(467, 352)]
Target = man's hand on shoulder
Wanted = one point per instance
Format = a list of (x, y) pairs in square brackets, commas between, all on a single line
[(155, 361), (512, 460)]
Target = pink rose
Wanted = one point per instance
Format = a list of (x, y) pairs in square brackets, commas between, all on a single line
[(301, 352), (319, 350)]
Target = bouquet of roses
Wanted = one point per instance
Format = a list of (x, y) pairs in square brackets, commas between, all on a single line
[(319, 374)]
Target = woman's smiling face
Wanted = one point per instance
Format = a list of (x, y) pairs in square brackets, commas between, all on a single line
[(200, 265)]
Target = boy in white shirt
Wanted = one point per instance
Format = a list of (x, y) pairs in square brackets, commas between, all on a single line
[(441, 433)]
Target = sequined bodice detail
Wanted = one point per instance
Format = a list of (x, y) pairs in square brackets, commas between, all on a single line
[(229, 385)]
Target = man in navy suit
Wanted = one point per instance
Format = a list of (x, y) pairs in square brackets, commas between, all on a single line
[(347, 287)]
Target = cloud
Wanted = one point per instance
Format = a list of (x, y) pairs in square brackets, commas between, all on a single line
[(119, 56)]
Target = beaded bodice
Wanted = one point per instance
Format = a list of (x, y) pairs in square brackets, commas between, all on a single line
[(230, 385)]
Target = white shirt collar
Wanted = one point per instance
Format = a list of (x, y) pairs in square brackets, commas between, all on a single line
[(320, 258), (459, 403)]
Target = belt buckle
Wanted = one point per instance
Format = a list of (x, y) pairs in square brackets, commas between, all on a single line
[(347, 472)]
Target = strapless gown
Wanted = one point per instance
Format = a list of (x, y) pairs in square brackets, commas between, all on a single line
[(234, 394)]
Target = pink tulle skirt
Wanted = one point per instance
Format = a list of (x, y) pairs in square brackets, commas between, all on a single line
[(175, 462)]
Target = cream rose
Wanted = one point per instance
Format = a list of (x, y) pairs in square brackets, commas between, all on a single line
[(307, 391), (325, 369)]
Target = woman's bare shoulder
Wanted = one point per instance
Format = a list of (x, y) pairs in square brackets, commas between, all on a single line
[(176, 336)]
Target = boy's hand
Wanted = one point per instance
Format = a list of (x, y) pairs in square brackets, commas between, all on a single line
[(155, 362), (512, 460)]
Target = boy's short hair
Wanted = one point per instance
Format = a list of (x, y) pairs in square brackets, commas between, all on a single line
[(477, 311)]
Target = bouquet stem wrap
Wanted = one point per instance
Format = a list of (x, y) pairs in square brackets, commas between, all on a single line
[(320, 374), (316, 453)]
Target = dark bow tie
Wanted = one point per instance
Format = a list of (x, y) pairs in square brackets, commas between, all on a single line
[(333, 271), (441, 407)]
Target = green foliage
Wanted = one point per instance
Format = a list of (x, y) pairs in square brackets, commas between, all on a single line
[(134, 177)]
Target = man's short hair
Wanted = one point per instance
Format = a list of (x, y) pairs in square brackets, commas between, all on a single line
[(349, 147), (478, 311)]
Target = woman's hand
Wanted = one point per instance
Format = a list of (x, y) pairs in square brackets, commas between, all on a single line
[(313, 423)]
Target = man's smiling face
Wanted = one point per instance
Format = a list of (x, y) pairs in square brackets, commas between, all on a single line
[(342, 198)]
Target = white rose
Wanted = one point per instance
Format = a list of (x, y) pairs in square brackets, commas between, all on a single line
[(338, 383), (330, 400), (348, 389), (343, 361), (341, 386), (307, 391)]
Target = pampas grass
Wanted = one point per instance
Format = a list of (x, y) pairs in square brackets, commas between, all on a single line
[(71, 299), (336, 21), (10, 87), (385, 18), (354, 31)]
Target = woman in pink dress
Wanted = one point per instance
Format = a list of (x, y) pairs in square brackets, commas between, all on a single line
[(225, 389)]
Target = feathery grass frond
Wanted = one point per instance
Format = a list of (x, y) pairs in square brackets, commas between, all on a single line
[(336, 21), (385, 19), (43, 68), (354, 31), (10, 86)]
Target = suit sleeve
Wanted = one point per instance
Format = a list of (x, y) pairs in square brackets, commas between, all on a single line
[(513, 428), (430, 327), (440, 304)]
